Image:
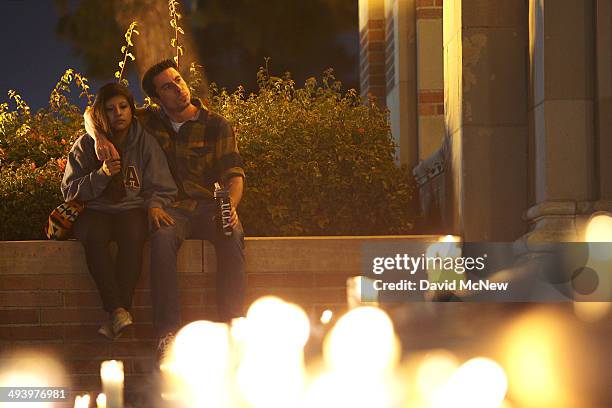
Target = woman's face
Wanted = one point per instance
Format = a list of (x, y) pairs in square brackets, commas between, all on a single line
[(118, 112)]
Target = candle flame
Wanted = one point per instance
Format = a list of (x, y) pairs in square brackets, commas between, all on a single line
[(363, 340), (101, 400), (478, 383), (326, 316), (82, 401), (112, 371)]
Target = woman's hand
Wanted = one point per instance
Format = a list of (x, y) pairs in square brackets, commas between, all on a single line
[(111, 167)]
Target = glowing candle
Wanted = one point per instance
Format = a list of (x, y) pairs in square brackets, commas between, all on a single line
[(326, 316), (112, 382), (81, 401), (101, 401), (360, 292)]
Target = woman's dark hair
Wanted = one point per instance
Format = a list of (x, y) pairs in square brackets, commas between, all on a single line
[(115, 190), (104, 94)]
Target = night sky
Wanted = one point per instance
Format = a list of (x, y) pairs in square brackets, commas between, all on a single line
[(33, 57)]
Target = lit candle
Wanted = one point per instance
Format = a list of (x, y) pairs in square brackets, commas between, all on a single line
[(101, 401), (112, 383), (81, 401), (360, 292), (326, 316)]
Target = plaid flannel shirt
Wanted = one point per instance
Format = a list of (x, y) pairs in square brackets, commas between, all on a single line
[(202, 152)]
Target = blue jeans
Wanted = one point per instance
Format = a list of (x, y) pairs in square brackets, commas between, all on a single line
[(165, 243)]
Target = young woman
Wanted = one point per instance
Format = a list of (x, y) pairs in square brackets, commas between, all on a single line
[(117, 195)]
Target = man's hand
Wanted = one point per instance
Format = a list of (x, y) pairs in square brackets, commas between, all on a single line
[(104, 148), (159, 217), (111, 167)]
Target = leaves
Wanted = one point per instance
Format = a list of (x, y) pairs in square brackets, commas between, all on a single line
[(318, 160), (174, 17), (126, 53)]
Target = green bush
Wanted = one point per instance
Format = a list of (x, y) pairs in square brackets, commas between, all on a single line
[(318, 161), (33, 151)]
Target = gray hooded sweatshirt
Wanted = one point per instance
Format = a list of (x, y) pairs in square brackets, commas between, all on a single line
[(147, 179)]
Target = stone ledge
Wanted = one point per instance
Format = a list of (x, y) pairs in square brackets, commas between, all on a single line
[(263, 255)]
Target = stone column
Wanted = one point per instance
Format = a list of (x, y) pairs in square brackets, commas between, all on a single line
[(401, 75), (562, 76), (603, 124), (485, 97)]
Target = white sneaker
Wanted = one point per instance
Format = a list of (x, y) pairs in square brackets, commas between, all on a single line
[(107, 331)]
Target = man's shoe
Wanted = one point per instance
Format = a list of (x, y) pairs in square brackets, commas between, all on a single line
[(164, 346), (120, 320), (106, 330)]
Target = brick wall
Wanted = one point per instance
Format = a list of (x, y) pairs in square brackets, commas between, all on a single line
[(372, 60), (49, 302)]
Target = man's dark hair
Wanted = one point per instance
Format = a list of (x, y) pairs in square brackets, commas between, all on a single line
[(105, 93), (147, 79)]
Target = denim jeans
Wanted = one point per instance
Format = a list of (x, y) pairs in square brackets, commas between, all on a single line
[(165, 243)]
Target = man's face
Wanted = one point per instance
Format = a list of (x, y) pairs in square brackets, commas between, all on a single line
[(173, 93)]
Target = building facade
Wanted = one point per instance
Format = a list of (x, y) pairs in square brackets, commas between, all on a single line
[(503, 108)]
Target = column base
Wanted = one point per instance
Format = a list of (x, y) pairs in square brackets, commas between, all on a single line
[(557, 221)]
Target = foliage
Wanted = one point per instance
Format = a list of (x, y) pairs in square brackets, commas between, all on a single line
[(80, 25), (33, 151), (174, 19), (231, 36), (125, 50), (318, 161), (28, 193)]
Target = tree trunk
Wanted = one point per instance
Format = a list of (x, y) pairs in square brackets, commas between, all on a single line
[(153, 43)]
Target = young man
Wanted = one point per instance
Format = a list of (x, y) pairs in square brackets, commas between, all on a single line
[(201, 149)]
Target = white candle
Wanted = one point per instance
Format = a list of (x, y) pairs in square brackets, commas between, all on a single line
[(326, 316), (81, 401), (360, 292), (112, 383), (101, 400)]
